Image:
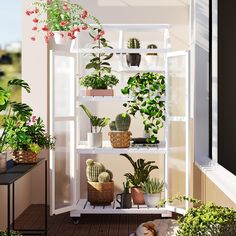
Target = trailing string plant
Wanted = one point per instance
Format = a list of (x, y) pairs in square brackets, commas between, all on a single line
[(146, 93), (101, 77), (96, 123), (63, 16), (205, 219), (12, 111)]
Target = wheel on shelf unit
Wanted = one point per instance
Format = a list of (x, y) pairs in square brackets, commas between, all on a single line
[(75, 220)]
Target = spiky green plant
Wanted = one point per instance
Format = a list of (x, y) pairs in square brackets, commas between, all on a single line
[(152, 46), (104, 177), (133, 43), (142, 169), (153, 186), (126, 186), (123, 122)]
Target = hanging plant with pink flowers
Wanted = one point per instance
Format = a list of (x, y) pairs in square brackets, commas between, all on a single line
[(64, 17)]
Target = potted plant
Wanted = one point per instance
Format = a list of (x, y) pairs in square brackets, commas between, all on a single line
[(120, 134), (12, 233), (100, 81), (152, 189), (100, 183), (152, 58), (94, 137), (27, 138), (61, 19), (142, 170), (146, 93), (133, 59), (124, 198), (11, 110)]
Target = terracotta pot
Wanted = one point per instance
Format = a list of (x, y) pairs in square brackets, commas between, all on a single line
[(99, 92), (137, 195)]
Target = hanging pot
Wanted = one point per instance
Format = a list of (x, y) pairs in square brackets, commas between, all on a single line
[(3, 162), (61, 37), (94, 139), (133, 59)]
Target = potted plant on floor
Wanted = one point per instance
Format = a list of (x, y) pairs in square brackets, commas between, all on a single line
[(152, 189), (120, 134), (146, 93), (100, 183), (11, 110), (61, 20), (133, 59), (12, 233), (28, 138), (152, 58), (94, 137), (100, 81), (142, 170)]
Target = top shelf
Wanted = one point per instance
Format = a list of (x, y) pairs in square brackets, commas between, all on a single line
[(136, 27)]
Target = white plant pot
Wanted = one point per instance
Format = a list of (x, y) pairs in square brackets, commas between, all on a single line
[(94, 139), (152, 61), (151, 200), (59, 38)]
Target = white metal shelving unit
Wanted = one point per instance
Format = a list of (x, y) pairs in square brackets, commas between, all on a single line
[(64, 100)]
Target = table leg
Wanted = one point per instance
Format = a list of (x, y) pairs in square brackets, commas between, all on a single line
[(13, 206), (8, 209), (46, 196)]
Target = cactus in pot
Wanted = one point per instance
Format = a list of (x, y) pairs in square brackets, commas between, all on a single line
[(123, 122), (152, 46), (133, 59), (93, 170), (112, 126), (152, 57), (104, 177)]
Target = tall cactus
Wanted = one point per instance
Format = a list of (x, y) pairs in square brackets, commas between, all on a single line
[(133, 43), (123, 122), (93, 170)]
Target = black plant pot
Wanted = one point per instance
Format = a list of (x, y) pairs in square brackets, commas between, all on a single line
[(133, 59)]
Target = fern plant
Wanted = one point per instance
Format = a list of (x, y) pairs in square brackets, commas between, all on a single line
[(142, 170)]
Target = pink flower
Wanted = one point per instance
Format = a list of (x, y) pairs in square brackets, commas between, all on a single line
[(64, 23), (76, 28), (28, 13), (36, 10), (51, 34), (96, 38), (101, 33), (46, 38), (35, 28), (33, 119), (35, 20), (84, 14), (84, 27), (45, 28), (33, 38)]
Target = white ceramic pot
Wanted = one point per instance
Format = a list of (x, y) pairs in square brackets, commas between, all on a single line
[(152, 61), (151, 200), (94, 139), (3, 162), (61, 37)]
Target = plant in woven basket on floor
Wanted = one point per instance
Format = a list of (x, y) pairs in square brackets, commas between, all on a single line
[(10, 110), (28, 138), (94, 137), (142, 170), (100, 184), (120, 134)]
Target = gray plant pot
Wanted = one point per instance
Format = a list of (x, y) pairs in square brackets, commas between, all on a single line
[(151, 200)]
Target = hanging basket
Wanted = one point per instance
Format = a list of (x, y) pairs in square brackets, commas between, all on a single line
[(100, 193), (25, 157), (120, 139)]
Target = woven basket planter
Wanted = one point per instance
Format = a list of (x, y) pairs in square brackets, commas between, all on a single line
[(100, 193), (120, 139), (25, 157)]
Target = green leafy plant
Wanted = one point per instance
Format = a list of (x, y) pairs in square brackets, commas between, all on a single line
[(146, 93), (62, 15), (95, 122), (142, 169), (133, 43), (12, 233), (152, 46), (28, 135), (153, 186), (12, 110), (101, 78)]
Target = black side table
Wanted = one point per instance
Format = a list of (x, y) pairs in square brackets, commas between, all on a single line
[(13, 173)]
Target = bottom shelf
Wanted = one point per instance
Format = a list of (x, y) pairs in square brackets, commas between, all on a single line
[(84, 207)]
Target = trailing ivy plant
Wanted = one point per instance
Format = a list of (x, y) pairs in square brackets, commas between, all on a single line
[(146, 93), (205, 219), (101, 78)]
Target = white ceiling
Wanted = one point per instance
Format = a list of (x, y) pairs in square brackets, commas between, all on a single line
[(143, 3)]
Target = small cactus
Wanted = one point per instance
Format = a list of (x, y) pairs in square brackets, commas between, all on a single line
[(133, 43), (110, 173), (123, 122), (112, 126), (152, 46), (93, 170), (104, 177)]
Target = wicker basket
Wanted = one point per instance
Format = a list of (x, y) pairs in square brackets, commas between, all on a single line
[(120, 139), (100, 193), (25, 157)]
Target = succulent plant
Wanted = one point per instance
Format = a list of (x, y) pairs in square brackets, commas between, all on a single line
[(104, 177), (133, 43), (152, 46), (122, 122), (93, 170), (153, 186), (112, 126)]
